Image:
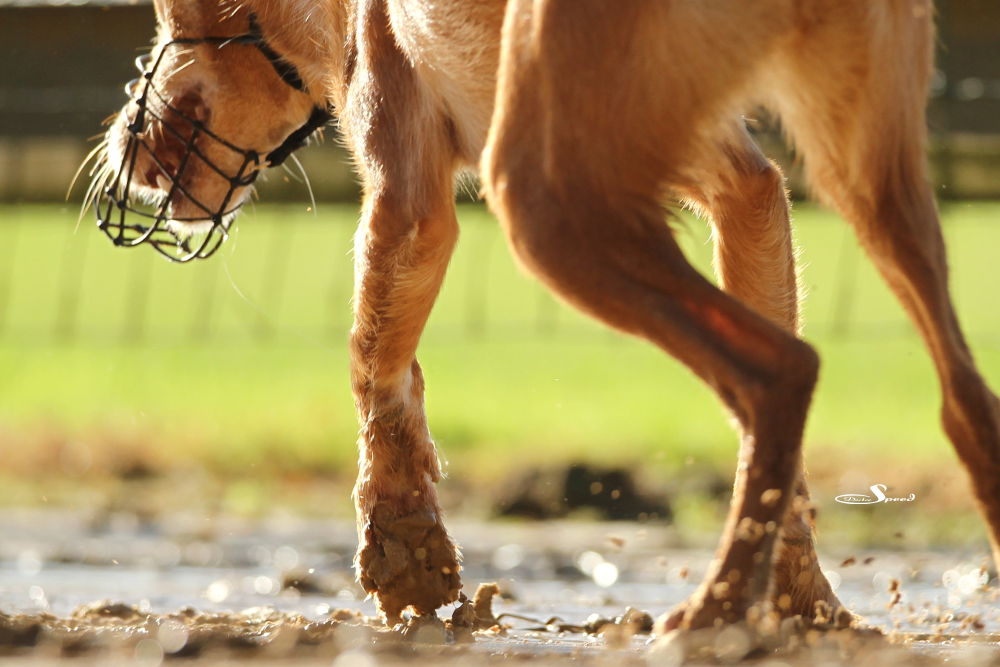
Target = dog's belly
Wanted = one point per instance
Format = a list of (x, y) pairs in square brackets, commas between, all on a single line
[(454, 45)]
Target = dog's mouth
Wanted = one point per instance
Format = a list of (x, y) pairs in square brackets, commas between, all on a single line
[(149, 197)]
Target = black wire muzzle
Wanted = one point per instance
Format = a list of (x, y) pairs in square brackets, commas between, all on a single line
[(112, 200)]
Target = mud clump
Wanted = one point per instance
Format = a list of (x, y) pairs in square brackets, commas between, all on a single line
[(108, 628), (19, 631), (112, 632), (477, 613), (114, 628)]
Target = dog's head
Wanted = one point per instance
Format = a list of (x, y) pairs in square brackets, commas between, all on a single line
[(216, 102)]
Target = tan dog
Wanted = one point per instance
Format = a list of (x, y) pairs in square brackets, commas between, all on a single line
[(603, 109)]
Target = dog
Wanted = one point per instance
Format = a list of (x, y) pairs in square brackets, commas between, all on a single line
[(584, 116)]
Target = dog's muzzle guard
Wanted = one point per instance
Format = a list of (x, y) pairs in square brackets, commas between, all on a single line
[(112, 201)]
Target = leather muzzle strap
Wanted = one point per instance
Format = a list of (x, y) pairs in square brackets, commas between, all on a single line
[(289, 73), (297, 139)]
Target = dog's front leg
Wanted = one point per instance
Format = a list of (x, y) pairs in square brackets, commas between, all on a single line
[(405, 557), (401, 140)]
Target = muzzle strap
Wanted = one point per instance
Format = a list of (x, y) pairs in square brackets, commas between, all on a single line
[(297, 139), (288, 72)]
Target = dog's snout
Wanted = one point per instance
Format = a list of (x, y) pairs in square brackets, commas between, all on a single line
[(160, 177)]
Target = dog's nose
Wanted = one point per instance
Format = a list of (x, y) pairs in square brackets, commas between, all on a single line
[(142, 62)]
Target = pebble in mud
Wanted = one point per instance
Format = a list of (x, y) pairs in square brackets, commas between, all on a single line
[(640, 621), (618, 633)]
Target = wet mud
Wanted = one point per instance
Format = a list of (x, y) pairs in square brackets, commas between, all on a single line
[(116, 630), (281, 591)]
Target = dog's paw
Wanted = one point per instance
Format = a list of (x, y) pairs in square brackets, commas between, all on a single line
[(699, 611), (727, 644), (407, 561)]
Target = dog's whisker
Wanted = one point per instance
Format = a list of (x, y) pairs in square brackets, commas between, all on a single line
[(305, 180), (98, 173), (98, 181), (94, 153)]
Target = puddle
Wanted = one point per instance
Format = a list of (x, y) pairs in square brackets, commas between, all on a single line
[(195, 578)]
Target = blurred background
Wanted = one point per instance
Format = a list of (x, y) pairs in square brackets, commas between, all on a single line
[(127, 383)]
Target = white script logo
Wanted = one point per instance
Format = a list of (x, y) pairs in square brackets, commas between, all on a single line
[(878, 496)]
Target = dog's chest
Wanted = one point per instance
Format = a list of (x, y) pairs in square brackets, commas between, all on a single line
[(454, 36), (454, 44)]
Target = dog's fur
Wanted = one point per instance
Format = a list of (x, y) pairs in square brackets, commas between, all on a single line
[(585, 115)]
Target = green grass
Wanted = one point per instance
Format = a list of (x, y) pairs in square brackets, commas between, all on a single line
[(240, 363)]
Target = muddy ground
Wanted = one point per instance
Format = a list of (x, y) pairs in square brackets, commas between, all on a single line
[(114, 588)]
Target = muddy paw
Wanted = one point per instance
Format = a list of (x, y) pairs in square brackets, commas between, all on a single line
[(669, 620), (804, 591), (701, 610), (704, 612), (728, 644), (408, 561)]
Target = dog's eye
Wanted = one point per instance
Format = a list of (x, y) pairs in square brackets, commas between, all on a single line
[(142, 62)]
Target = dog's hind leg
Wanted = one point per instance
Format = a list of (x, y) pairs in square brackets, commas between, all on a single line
[(405, 239), (576, 176), (855, 109), (743, 195)]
